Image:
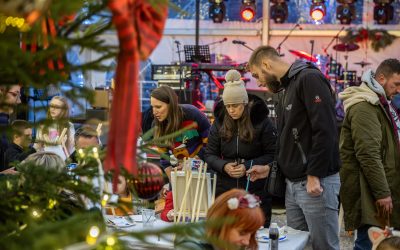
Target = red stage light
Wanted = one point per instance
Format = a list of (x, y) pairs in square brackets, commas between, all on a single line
[(248, 10), (248, 14), (317, 12)]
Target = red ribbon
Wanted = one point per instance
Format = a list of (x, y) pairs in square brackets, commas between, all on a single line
[(139, 26)]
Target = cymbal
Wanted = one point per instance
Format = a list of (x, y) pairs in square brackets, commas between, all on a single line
[(346, 47), (363, 63), (303, 55)]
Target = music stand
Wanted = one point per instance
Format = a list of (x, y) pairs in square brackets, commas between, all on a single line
[(197, 54)]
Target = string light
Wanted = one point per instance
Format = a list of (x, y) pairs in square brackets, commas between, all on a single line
[(95, 153), (91, 238), (16, 22), (35, 214), (94, 231), (81, 153), (111, 241), (105, 200), (52, 203)]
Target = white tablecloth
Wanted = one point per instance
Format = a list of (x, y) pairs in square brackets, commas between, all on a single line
[(295, 240), (166, 242)]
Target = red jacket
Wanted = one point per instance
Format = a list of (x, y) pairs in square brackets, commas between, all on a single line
[(169, 205)]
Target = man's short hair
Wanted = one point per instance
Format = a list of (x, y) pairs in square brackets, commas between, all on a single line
[(18, 127), (388, 67), (85, 131), (261, 53)]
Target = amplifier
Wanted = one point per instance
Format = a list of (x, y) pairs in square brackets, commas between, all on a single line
[(169, 72)]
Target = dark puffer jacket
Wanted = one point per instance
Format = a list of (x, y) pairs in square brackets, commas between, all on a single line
[(261, 151)]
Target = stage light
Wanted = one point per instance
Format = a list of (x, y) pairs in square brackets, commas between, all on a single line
[(279, 12), (318, 10), (248, 10), (345, 13), (383, 11), (216, 10)]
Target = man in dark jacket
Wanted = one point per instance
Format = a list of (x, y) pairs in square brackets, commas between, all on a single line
[(19, 149), (10, 96), (308, 152)]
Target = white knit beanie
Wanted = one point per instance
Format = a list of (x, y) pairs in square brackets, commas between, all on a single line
[(234, 90)]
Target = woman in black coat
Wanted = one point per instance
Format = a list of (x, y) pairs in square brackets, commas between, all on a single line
[(242, 136)]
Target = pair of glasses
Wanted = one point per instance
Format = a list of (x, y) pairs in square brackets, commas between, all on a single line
[(55, 106)]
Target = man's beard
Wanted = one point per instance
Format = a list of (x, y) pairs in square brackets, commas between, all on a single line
[(272, 82)]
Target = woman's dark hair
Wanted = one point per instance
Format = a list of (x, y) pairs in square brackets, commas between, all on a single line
[(174, 118), (243, 125)]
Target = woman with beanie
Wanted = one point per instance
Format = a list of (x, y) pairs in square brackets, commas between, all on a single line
[(242, 136)]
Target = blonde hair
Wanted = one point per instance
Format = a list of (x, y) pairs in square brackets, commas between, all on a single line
[(47, 160)]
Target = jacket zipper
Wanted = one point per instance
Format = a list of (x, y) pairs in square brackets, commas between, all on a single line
[(237, 155), (296, 141)]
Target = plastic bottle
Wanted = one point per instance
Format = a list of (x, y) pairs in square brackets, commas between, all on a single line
[(273, 236)]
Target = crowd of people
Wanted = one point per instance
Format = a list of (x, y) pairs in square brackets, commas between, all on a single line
[(359, 168)]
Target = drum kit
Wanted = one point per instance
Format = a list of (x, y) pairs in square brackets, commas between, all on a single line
[(332, 69)]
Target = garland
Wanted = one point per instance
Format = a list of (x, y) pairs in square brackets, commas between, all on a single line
[(379, 38)]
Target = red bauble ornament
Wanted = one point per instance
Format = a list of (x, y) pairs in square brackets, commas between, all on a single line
[(149, 181)]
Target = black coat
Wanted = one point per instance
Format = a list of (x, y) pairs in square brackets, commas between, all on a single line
[(15, 153), (261, 150), (308, 138)]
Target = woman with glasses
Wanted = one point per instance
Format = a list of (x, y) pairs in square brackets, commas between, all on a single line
[(56, 134)]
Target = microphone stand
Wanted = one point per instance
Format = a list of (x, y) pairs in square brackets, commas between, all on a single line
[(244, 44), (336, 37), (312, 48), (285, 38), (221, 41), (180, 71)]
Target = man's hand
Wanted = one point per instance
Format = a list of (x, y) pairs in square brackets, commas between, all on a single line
[(258, 172), (386, 204), (314, 186)]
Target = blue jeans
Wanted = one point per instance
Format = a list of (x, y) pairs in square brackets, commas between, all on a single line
[(362, 242), (318, 215)]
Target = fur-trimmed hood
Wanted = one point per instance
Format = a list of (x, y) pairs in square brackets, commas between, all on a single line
[(258, 110)]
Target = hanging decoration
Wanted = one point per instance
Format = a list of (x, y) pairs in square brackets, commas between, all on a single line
[(140, 25), (149, 181), (379, 38)]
